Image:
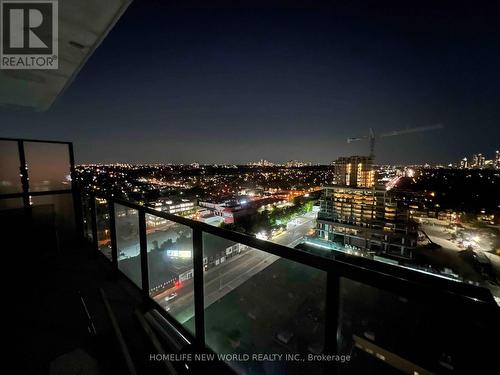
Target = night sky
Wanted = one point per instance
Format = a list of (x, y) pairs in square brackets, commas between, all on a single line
[(179, 82)]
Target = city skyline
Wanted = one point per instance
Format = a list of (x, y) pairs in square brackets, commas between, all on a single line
[(493, 162), (232, 84)]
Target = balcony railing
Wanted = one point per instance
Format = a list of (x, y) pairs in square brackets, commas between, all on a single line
[(297, 303), (234, 294)]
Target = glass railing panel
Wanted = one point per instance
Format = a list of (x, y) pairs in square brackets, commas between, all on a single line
[(170, 266), (11, 203), (392, 333), (103, 227), (128, 243), (87, 218), (258, 303), (64, 211), (48, 166), (10, 180)]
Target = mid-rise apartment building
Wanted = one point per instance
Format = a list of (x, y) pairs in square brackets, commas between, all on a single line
[(373, 220), (357, 213)]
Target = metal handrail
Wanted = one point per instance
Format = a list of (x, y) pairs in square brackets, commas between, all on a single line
[(34, 140), (366, 271), (401, 281), (428, 289)]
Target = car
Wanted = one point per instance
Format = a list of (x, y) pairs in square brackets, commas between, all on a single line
[(170, 297)]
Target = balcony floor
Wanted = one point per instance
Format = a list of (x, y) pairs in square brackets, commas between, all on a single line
[(51, 334)]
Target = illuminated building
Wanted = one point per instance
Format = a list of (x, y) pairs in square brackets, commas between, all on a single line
[(180, 207), (355, 171), (370, 219), (478, 161), (355, 213), (463, 163), (230, 211), (262, 163)]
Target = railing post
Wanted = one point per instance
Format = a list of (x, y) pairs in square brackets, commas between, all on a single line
[(93, 221), (144, 253), (112, 232), (76, 192), (332, 312), (199, 308), (23, 170)]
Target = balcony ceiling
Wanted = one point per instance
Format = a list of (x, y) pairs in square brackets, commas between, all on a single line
[(83, 25)]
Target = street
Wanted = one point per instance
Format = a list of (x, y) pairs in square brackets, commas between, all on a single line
[(225, 277)]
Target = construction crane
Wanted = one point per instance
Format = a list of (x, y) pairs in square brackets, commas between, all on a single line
[(372, 136)]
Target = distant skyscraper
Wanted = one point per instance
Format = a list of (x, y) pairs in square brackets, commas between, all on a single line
[(355, 171), (295, 163), (497, 159), (475, 161), (478, 161), (262, 163), (482, 161), (464, 163)]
